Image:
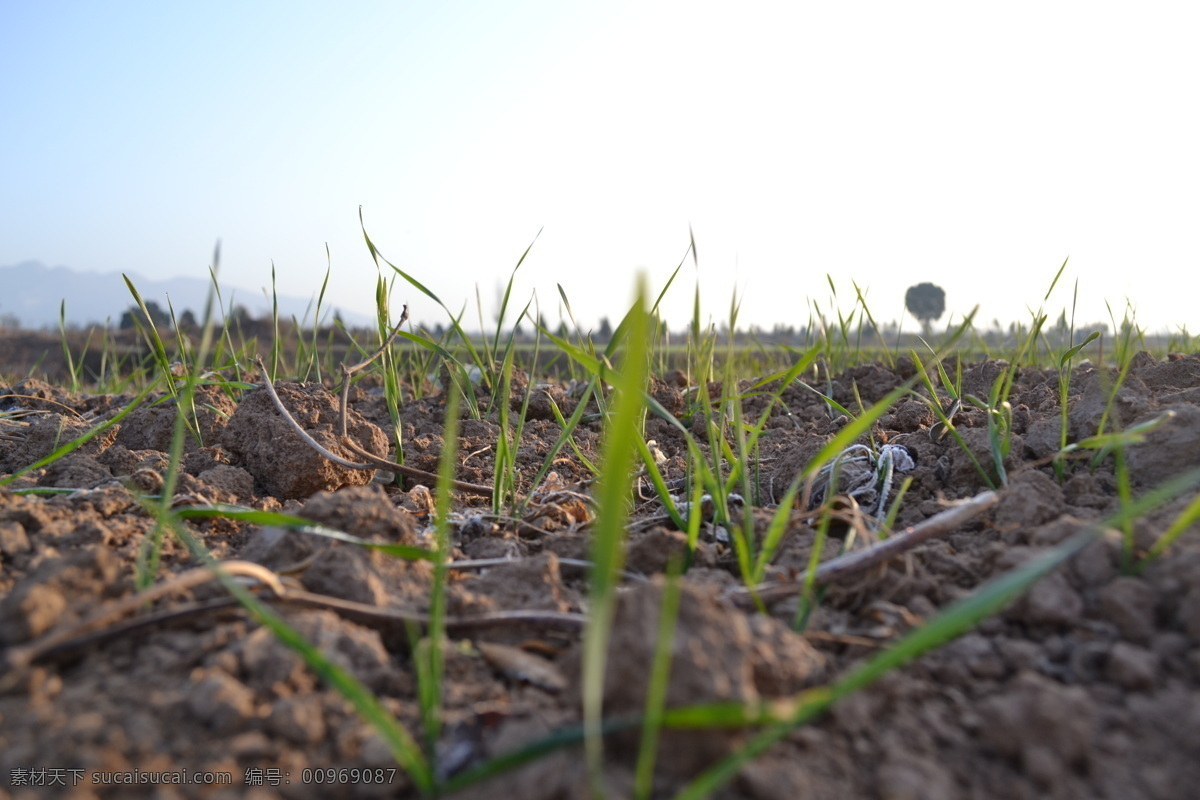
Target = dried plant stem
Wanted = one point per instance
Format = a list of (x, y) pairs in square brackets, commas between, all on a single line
[(105, 626), (370, 461), (862, 560), (17, 658)]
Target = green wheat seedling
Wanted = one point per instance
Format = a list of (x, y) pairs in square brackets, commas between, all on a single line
[(310, 356), (656, 690), (1125, 352), (566, 436), (72, 371), (1128, 338), (825, 458), (609, 530), (150, 334), (494, 359), (997, 408), (183, 400), (568, 429), (1115, 444), (428, 655), (486, 362), (1186, 519), (742, 535), (387, 364), (149, 554), (862, 302), (998, 413), (504, 479), (1064, 385), (945, 413), (296, 524), (276, 341), (1180, 341)]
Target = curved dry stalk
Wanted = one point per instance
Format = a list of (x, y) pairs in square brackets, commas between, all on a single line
[(16, 659), (582, 565), (348, 371), (371, 461), (479, 489), (382, 348), (303, 434), (65, 408), (103, 626), (844, 566)]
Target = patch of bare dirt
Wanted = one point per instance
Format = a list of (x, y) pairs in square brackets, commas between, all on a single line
[(1089, 686)]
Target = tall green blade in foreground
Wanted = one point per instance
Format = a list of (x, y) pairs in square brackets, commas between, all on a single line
[(613, 493)]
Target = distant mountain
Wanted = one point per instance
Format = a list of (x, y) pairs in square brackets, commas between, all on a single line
[(33, 293)]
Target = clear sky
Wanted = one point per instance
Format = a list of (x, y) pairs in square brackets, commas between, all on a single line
[(972, 145)]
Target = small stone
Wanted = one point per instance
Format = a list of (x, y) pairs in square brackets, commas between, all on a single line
[(1132, 667), (1052, 601), (219, 700), (1055, 531), (1042, 765), (1036, 712), (345, 572), (980, 656), (910, 777), (1019, 654), (1094, 565), (277, 547), (1035, 500), (251, 744), (29, 612), (1129, 604), (13, 539), (1170, 645), (298, 719), (1189, 614), (235, 482)]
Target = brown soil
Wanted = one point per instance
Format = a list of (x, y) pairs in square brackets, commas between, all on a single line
[(1087, 687)]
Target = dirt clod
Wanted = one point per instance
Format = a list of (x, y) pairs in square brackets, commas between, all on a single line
[(280, 460)]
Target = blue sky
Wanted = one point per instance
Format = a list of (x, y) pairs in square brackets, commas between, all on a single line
[(885, 144)]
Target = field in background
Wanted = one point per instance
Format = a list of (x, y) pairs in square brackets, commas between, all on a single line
[(397, 560)]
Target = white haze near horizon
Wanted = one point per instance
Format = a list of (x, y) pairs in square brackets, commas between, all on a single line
[(975, 146)]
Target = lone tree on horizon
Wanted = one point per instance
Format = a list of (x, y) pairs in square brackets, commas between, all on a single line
[(158, 317), (926, 302)]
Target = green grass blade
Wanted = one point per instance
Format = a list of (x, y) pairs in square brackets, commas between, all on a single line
[(613, 491), (567, 429), (430, 677), (151, 335), (301, 525), (656, 691), (66, 348), (1185, 519)]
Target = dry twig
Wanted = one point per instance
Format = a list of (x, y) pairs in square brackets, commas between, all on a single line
[(859, 561), (370, 460), (105, 625)]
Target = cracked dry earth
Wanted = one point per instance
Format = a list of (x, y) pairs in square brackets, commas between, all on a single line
[(1088, 687)]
